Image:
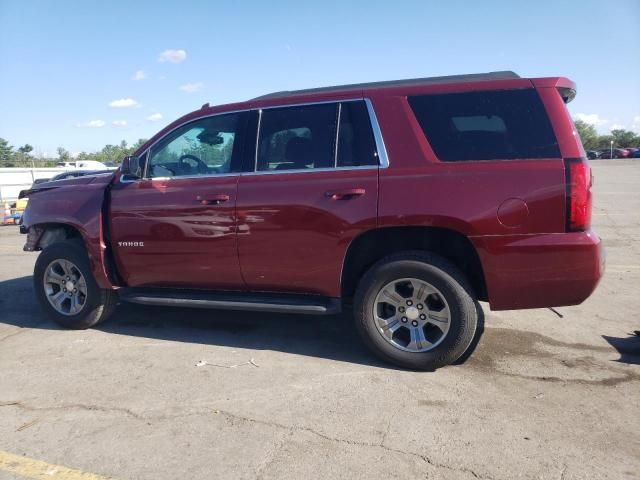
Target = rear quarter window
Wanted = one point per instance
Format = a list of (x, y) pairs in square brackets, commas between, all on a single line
[(488, 125)]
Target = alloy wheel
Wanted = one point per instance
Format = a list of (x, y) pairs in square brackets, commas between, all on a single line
[(412, 315)]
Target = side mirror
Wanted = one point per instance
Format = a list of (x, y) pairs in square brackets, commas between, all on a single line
[(131, 168)]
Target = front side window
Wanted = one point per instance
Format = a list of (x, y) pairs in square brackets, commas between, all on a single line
[(203, 147), (487, 125)]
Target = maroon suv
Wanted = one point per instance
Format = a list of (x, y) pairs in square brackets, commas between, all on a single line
[(410, 200)]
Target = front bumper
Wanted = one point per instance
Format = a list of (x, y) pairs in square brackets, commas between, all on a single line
[(536, 271)]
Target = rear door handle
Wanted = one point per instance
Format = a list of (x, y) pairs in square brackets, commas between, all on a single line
[(214, 199), (345, 194)]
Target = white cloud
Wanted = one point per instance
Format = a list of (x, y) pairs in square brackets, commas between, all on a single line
[(635, 126), (154, 117), (119, 123), (172, 56), (591, 118), (124, 103), (139, 75), (92, 124), (192, 87), (617, 126)]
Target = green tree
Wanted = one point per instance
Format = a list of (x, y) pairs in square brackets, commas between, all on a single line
[(6, 152), (138, 144), (624, 138), (25, 158), (63, 155), (26, 149), (604, 141), (588, 134)]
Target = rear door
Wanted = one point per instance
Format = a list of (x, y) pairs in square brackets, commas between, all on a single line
[(311, 188), (177, 226)]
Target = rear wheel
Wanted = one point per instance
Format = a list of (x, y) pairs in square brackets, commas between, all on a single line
[(66, 288), (416, 310)]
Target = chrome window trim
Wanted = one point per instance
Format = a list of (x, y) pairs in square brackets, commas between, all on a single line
[(335, 146), (255, 154), (133, 180), (261, 172), (191, 177), (381, 149), (309, 170)]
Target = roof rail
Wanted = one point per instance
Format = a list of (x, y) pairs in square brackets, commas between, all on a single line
[(473, 77)]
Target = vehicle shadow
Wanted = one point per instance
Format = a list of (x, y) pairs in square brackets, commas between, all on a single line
[(332, 337), (627, 347)]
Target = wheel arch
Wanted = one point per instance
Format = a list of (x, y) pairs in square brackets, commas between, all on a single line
[(375, 244), (53, 232), (48, 233)]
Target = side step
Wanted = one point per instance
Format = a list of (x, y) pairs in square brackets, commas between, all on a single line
[(249, 301)]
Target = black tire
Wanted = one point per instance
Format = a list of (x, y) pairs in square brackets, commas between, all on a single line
[(441, 274), (98, 304)]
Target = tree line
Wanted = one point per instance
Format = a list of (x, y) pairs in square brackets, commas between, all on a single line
[(592, 140), (23, 156)]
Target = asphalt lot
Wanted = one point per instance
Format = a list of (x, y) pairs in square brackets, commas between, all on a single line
[(541, 396)]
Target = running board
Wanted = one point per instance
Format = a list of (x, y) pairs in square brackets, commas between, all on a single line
[(256, 302)]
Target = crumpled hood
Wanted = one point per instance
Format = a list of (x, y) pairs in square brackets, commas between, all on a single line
[(76, 202), (100, 179)]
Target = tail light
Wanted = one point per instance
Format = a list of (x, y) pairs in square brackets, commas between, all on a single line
[(578, 177)]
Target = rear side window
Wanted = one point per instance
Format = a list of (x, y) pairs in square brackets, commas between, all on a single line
[(356, 145), (295, 138), (316, 136), (488, 125)]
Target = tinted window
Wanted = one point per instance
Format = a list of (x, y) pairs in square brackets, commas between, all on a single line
[(356, 146), (202, 147), (294, 138), (505, 124)]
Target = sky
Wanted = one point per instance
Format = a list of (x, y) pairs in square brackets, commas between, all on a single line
[(82, 74)]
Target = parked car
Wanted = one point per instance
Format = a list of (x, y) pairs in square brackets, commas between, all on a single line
[(38, 181), (636, 154), (617, 153), (410, 200), (632, 151), (90, 165), (593, 154)]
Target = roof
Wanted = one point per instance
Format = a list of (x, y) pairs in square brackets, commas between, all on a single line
[(473, 77)]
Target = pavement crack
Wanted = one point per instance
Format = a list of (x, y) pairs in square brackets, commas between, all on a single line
[(389, 423), (291, 429), (72, 406), (297, 428), (18, 332), (271, 456)]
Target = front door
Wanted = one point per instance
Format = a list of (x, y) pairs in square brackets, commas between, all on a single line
[(313, 188), (176, 227)]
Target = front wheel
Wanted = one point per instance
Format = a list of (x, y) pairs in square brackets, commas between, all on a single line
[(416, 310), (66, 289)]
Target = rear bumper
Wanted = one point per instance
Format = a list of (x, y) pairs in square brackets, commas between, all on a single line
[(536, 271)]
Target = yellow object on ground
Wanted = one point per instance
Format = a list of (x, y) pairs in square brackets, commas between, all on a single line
[(21, 204), (31, 468)]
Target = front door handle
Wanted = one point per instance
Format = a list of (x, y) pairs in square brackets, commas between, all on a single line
[(345, 194), (214, 199)]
